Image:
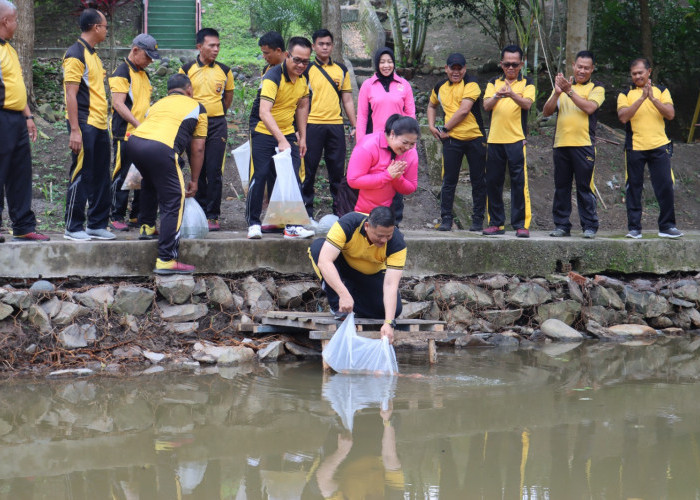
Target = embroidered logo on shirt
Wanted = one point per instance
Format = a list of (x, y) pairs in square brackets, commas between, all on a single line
[(399, 87)]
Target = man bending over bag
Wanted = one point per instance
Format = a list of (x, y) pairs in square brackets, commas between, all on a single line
[(171, 124), (360, 265)]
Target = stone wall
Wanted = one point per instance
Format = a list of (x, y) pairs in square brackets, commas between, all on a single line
[(372, 30)]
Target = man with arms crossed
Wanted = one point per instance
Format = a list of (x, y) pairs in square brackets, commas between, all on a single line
[(577, 104)]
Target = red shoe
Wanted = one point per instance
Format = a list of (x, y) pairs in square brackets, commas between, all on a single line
[(172, 267), (118, 225), (134, 223), (213, 225), (272, 228), (30, 237), (491, 230), (522, 233)]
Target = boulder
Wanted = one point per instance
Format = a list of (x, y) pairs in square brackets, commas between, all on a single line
[(69, 312), (291, 294), (471, 341), (204, 352), (602, 296), (299, 350), (463, 293), (528, 294), (176, 289), (566, 311), (497, 282), (270, 286), (218, 292), (597, 330), (424, 290), (183, 313), (459, 315), (42, 287), (271, 352), (20, 299), (574, 291), (661, 322), (412, 310), (503, 340), (648, 304), (688, 290), (200, 287), (602, 315), (182, 328), (558, 330), (257, 299), (100, 297), (39, 318), (502, 318), (133, 299), (72, 337), (632, 330), (613, 283), (5, 311), (675, 301)]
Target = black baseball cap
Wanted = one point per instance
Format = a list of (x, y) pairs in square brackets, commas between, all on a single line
[(457, 59), (148, 43)]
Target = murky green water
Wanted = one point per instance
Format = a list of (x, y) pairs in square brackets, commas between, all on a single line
[(596, 421)]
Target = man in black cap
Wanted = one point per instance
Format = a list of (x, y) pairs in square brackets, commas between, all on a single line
[(462, 135), (131, 96)]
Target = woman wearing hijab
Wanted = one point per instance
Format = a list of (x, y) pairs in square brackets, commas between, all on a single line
[(381, 96)]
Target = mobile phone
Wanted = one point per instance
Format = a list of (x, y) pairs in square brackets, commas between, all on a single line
[(441, 129)]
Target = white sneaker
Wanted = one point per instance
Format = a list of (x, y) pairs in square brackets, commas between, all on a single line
[(254, 232), (76, 236), (297, 232), (671, 232), (100, 234)]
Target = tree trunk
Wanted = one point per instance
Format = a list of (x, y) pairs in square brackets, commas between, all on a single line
[(330, 14), (23, 42), (646, 30), (576, 31)]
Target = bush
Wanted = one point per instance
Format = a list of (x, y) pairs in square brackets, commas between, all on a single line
[(287, 17)]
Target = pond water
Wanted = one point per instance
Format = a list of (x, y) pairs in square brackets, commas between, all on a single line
[(565, 421)]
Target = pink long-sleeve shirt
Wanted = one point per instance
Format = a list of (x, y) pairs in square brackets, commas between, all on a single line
[(399, 100), (367, 171)]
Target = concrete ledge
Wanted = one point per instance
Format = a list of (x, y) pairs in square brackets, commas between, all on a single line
[(429, 253)]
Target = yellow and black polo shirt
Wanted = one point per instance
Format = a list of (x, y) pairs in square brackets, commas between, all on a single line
[(348, 235), (450, 96), (83, 66), (264, 70), (508, 120), (174, 121), (575, 127), (284, 95), (647, 128), (325, 99), (209, 83), (134, 82), (13, 93)]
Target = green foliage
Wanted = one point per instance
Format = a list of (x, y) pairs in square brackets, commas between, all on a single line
[(675, 35), (231, 20), (287, 17)]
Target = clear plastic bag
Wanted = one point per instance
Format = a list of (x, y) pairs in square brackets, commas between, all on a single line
[(242, 156), (194, 221), (133, 179), (348, 352), (349, 393), (286, 205)]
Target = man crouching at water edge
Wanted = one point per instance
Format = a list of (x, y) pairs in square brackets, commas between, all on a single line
[(172, 124), (360, 264)]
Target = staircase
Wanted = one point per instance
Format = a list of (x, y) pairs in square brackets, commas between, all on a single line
[(173, 23)]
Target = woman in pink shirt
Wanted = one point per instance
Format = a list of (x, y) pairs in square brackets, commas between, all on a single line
[(385, 163)]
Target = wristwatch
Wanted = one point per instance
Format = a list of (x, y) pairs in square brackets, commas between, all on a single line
[(570, 93), (390, 322)]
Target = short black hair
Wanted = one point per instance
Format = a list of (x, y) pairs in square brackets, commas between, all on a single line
[(322, 33), (512, 49), (300, 41), (89, 18), (401, 125), (273, 40), (178, 81), (585, 54), (642, 60), (382, 216), (205, 32)]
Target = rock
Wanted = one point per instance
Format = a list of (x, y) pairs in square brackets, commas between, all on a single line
[(52, 306), (200, 287), (46, 112), (688, 291), (462, 293), (500, 340), (471, 341), (558, 330), (39, 318), (291, 294), (5, 428), (686, 318), (648, 304), (257, 298), (41, 287), (20, 299), (673, 332), (302, 351), (129, 321), (72, 337), (481, 325), (412, 310), (272, 351), (127, 352), (632, 330), (434, 312), (133, 299), (643, 285), (661, 322), (497, 282), (424, 290), (154, 357), (218, 292), (459, 315), (89, 332), (602, 315), (613, 283), (575, 291), (502, 318), (162, 71), (182, 328), (183, 313), (270, 286), (100, 297), (71, 372), (680, 302), (601, 296), (69, 312), (528, 294), (176, 289), (205, 352), (597, 330), (566, 311), (5, 311)]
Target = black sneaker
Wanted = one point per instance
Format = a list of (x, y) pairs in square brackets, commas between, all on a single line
[(476, 227), (589, 234), (445, 225), (671, 232), (634, 234), (559, 233)]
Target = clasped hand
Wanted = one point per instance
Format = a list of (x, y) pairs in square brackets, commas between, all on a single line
[(396, 168)]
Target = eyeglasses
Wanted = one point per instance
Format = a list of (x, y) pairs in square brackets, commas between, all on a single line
[(300, 62), (511, 65)]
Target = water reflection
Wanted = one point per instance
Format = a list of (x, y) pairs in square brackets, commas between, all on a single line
[(594, 421)]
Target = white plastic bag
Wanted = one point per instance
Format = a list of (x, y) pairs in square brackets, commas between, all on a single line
[(348, 352), (349, 393), (286, 205), (242, 156), (133, 178), (194, 221)]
